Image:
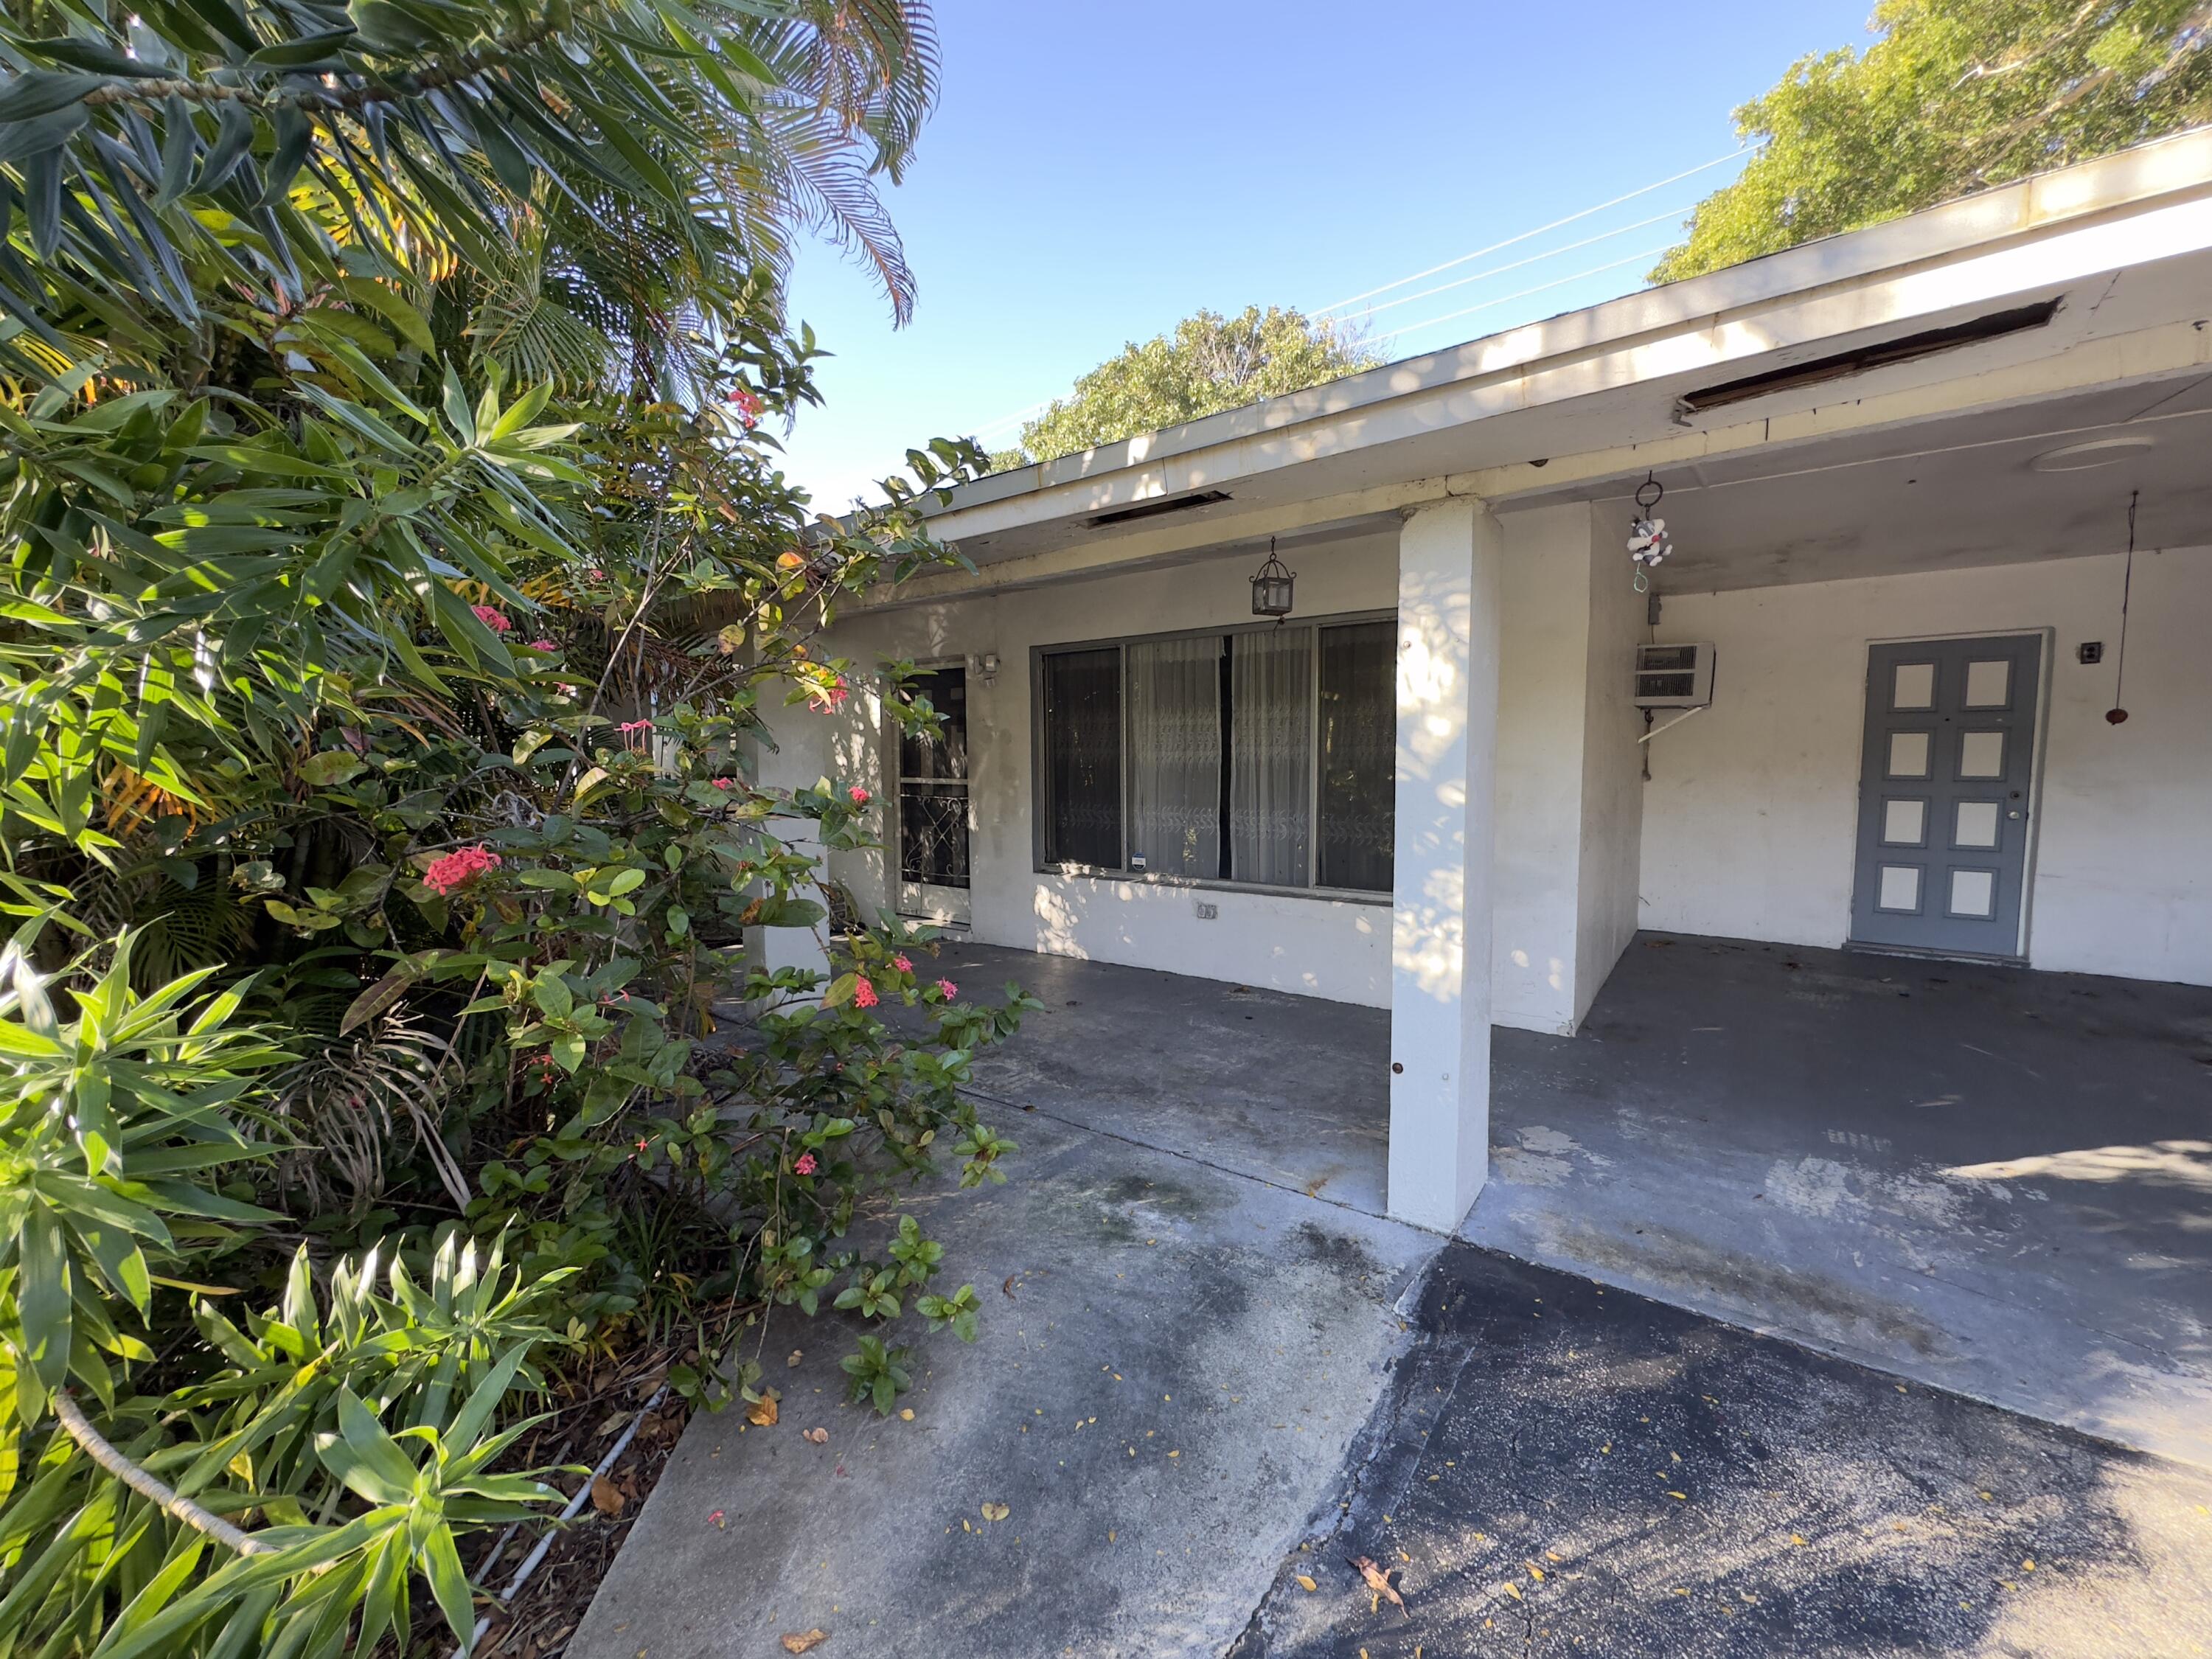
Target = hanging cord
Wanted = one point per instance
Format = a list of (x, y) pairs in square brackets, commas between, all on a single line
[(2116, 714)]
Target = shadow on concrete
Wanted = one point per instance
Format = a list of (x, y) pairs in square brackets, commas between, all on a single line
[(1994, 1181), (1986, 1178)]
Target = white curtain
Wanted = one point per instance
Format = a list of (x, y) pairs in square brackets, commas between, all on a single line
[(1175, 756), (1270, 756)]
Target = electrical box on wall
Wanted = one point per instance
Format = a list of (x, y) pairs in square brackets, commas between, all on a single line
[(1674, 676)]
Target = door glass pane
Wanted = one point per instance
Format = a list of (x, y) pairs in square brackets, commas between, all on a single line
[(1973, 893), (1989, 685), (1977, 825), (1083, 757), (1358, 755), (1175, 756), (1908, 754), (1904, 823), (1912, 685), (1901, 887), (946, 754), (1981, 754), (1271, 749)]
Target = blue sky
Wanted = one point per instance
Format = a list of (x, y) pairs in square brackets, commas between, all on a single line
[(1095, 172)]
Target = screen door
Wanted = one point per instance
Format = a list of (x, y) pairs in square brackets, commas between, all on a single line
[(933, 805), (1944, 793)]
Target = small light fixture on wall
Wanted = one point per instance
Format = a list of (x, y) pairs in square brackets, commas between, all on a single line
[(1271, 586), (986, 666)]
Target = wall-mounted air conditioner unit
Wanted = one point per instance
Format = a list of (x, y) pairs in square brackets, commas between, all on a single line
[(1674, 676)]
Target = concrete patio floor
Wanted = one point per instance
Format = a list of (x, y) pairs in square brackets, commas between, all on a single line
[(1209, 1373), (1993, 1181), (1173, 1366)]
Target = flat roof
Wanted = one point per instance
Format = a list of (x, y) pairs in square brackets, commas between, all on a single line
[(1724, 323)]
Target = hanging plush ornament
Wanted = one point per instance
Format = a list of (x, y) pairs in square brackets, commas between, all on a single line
[(1648, 540)]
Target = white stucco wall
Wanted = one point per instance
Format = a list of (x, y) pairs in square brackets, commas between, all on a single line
[(1334, 948), (1613, 787), (1569, 802), (1547, 958), (1750, 817)]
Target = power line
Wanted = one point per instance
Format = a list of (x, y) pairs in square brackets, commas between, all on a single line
[(1533, 259), (1503, 299), (1511, 241)]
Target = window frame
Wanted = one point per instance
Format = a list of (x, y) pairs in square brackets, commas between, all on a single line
[(1120, 643)]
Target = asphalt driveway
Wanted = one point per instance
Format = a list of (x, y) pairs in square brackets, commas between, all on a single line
[(1560, 1468)]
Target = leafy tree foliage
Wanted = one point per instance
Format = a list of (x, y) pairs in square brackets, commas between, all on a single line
[(1210, 363), (1955, 96), (394, 566)]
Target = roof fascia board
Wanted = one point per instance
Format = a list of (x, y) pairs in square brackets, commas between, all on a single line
[(2030, 215)]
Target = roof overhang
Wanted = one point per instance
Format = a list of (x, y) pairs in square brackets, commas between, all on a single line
[(2089, 276)]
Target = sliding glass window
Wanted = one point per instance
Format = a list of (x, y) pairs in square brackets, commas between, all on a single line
[(1265, 756)]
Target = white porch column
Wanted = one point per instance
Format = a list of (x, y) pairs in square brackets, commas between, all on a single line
[(1448, 572), (801, 758)]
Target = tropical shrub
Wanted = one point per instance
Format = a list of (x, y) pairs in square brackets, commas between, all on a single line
[(394, 568)]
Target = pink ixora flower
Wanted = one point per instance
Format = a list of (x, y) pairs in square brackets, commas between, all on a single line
[(806, 1165), (492, 617), (904, 962), (861, 796), (543, 645), (825, 698), (864, 995), (462, 865), (747, 403), (725, 783), (949, 988)]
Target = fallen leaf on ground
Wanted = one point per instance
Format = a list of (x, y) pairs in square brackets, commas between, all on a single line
[(1513, 1590), (1306, 1584), (906, 1413), (794, 1357), (995, 1512), (607, 1496), (800, 1641), (1378, 1580), (1684, 1495), (819, 1437), (762, 1413)]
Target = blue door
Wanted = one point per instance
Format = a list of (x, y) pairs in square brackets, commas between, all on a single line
[(1944, 793)]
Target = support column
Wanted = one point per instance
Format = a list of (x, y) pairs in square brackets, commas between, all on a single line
[(1448, 572), (801, 758)]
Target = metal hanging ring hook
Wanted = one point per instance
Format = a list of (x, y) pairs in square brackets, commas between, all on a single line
[(1658, 492)]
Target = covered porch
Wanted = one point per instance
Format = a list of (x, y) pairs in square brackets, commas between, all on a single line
[(1983, 1178)]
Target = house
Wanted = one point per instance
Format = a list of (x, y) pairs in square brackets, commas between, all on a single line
[(1934, 676)]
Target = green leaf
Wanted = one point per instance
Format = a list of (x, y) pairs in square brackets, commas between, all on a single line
[(307, 49), (40, 92), (440, 1562), (43, 1302), (330, 766)]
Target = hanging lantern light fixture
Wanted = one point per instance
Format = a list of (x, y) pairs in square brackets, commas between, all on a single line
[(1271, 586)]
